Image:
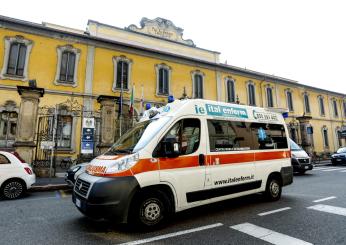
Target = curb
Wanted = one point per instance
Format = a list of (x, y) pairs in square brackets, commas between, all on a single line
[(50, 187)]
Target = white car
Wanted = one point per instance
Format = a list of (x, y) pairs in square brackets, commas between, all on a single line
[(16, 176)]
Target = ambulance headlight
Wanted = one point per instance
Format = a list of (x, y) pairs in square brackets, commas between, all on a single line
[(123, 163)]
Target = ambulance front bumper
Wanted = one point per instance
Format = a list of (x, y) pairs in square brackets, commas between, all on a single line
[(106, 198)]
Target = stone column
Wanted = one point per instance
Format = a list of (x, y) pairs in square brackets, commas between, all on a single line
[(107, 121), (304, 122), (27, 121)]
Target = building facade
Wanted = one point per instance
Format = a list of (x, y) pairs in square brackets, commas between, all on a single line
[(81, 74)]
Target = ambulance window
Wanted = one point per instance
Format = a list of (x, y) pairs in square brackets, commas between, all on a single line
[(187, 132), (269, 136), (229, 136)]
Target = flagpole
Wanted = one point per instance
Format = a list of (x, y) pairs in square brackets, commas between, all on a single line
[(142, 101), (121, 98), (132, 104)]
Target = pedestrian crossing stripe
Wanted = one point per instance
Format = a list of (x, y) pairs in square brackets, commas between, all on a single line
[(330, 169), (267, 235), (329, 209)]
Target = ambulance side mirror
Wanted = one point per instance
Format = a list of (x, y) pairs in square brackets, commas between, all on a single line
[(171, 147)]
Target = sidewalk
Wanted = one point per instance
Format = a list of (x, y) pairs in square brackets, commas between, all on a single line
[(50, 184), (323, 162)]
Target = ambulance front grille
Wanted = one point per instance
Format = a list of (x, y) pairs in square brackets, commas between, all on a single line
[(82, 187)]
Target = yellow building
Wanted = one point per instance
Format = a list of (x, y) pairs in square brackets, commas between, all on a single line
[(81, 73)]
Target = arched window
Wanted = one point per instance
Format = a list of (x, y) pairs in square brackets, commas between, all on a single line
[(321, 104), (335, 107), (289, 100), (230, 91), (163, 77), (67, 67), (306, 103), (16, 59), (251, 94), (269, 93), (338, 137), (122, 75), (325, 137), (198, 85)]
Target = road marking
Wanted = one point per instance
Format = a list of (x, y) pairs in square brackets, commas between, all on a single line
[(329, 209), (274, 211), (329, 170), (268, 235), (324, 199), (321, 169), (179, 233)]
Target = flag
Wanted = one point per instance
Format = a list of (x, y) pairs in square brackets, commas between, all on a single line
[(132, 100)]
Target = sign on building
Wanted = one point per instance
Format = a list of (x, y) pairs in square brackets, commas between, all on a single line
[(343, 132), (87, 144)]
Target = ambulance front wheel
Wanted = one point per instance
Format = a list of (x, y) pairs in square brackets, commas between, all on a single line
[(150, 209), (273, 189)]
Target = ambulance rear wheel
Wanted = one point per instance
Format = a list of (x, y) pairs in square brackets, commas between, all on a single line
[(273, 189), (151, 209)]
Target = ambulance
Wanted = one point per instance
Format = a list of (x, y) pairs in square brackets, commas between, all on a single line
[(188, 153)]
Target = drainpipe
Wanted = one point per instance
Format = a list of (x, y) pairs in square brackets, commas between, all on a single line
[(261, 92), (331, 120)]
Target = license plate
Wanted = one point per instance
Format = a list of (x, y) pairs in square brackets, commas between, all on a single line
[(78, 203), (306, 167)]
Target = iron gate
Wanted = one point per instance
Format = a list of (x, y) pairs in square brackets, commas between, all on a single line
[(55, 136)]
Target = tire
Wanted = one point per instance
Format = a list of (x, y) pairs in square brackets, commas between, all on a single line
[(150, 210), (13, 189), (302, 171), (273, 189)]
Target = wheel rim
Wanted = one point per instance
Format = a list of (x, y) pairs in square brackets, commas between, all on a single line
[(13, 190), (274, 188), (151, 212)]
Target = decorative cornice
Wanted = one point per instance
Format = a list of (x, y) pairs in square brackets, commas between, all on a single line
[(162, 28)]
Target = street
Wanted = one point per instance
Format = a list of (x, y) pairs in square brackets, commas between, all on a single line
[(311, 211)]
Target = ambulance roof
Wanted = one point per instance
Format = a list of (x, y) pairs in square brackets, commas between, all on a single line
[(216, 110)]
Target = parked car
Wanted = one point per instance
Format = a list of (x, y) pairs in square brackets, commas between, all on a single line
[(301, 161), (339, 156), (73, 172), (16, 176)]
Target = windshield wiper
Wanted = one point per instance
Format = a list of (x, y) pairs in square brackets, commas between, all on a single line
[(123, 151)]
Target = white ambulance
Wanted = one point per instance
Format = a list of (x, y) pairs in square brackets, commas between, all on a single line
[(183, 155)]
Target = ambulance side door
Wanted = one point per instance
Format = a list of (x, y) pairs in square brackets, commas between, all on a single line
[(185, 172), (231, 158)]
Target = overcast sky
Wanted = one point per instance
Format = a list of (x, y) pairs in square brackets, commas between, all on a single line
[(301, 40)]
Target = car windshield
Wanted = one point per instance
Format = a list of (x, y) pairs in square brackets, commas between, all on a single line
[(341, 150), (137, 137), (294, 146)]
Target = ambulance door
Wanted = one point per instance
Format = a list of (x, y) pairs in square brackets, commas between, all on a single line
[(185, 170), (231, 160)]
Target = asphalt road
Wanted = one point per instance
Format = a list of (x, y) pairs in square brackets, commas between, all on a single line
[(311, 211)]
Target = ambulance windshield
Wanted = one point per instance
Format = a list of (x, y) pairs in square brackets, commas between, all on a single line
[(137, 137)]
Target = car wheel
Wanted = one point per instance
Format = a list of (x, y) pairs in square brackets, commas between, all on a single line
[(13, 189), (273, 189), (150, 210)]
